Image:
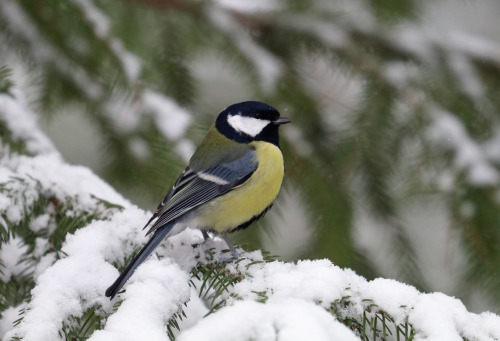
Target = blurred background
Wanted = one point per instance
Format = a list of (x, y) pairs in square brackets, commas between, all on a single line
[(393, 158)]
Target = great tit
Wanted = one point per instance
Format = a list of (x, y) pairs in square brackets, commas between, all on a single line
[(231, 181)]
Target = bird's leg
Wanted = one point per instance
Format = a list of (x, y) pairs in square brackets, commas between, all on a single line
[(206, 237), (234, 254)]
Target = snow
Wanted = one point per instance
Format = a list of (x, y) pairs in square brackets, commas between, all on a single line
[(131, 64), (195, 310), (338, 93), (267, 66), (11, 256), (13, 213), (66, 289), (393, 294), (491, 147), (312, 281), (44, 263), (139, 148), (124, 111), (328, 32), (275, 300), (298, 294), (15, 17), (19, 22), (22, 123), (302, 289), (445, 318), (290, 233), (466, 75), (296, 139), (474, 46), (280, 319), (462, 51), (400, 74), (62, 180), (250, 6), (185, 148), (77, 282), (121, 109), (447, 130), (14, 196), (40, 222), (99, 20), (9, 316), (170, 118), (156, 292)]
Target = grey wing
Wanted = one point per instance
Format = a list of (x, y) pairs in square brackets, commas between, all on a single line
[(186, 176), (193, 189)]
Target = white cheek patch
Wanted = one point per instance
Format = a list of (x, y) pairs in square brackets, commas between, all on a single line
[(248, 125)]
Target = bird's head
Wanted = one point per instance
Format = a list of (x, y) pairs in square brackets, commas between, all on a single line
[(250, 121)]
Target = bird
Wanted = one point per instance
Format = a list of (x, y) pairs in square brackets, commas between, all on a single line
[(232, 179)]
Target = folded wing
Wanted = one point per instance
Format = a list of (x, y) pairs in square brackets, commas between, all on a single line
[(193, 189)]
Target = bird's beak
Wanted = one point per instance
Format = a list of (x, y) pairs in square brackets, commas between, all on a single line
[(282, 120)]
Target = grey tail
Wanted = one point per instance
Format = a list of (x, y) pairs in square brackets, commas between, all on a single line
[(158, 236)]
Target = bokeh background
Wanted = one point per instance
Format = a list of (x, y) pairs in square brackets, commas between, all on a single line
[(393, 159)]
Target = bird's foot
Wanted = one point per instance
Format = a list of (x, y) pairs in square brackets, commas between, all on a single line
[(234, 254), (225, 260)]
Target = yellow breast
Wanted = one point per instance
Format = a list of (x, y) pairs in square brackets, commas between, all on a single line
[(243, 203)]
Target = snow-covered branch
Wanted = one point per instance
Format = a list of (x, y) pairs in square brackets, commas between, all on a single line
[(254, 298)]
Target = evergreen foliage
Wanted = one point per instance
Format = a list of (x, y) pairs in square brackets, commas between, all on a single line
[(416, 120)]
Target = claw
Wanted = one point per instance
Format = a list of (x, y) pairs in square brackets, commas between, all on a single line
[(234, 254)]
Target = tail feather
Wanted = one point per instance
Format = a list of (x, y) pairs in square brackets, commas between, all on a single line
[(158, 236)]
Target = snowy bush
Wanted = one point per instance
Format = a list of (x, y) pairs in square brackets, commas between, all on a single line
[(392, 167), (65, 234)]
